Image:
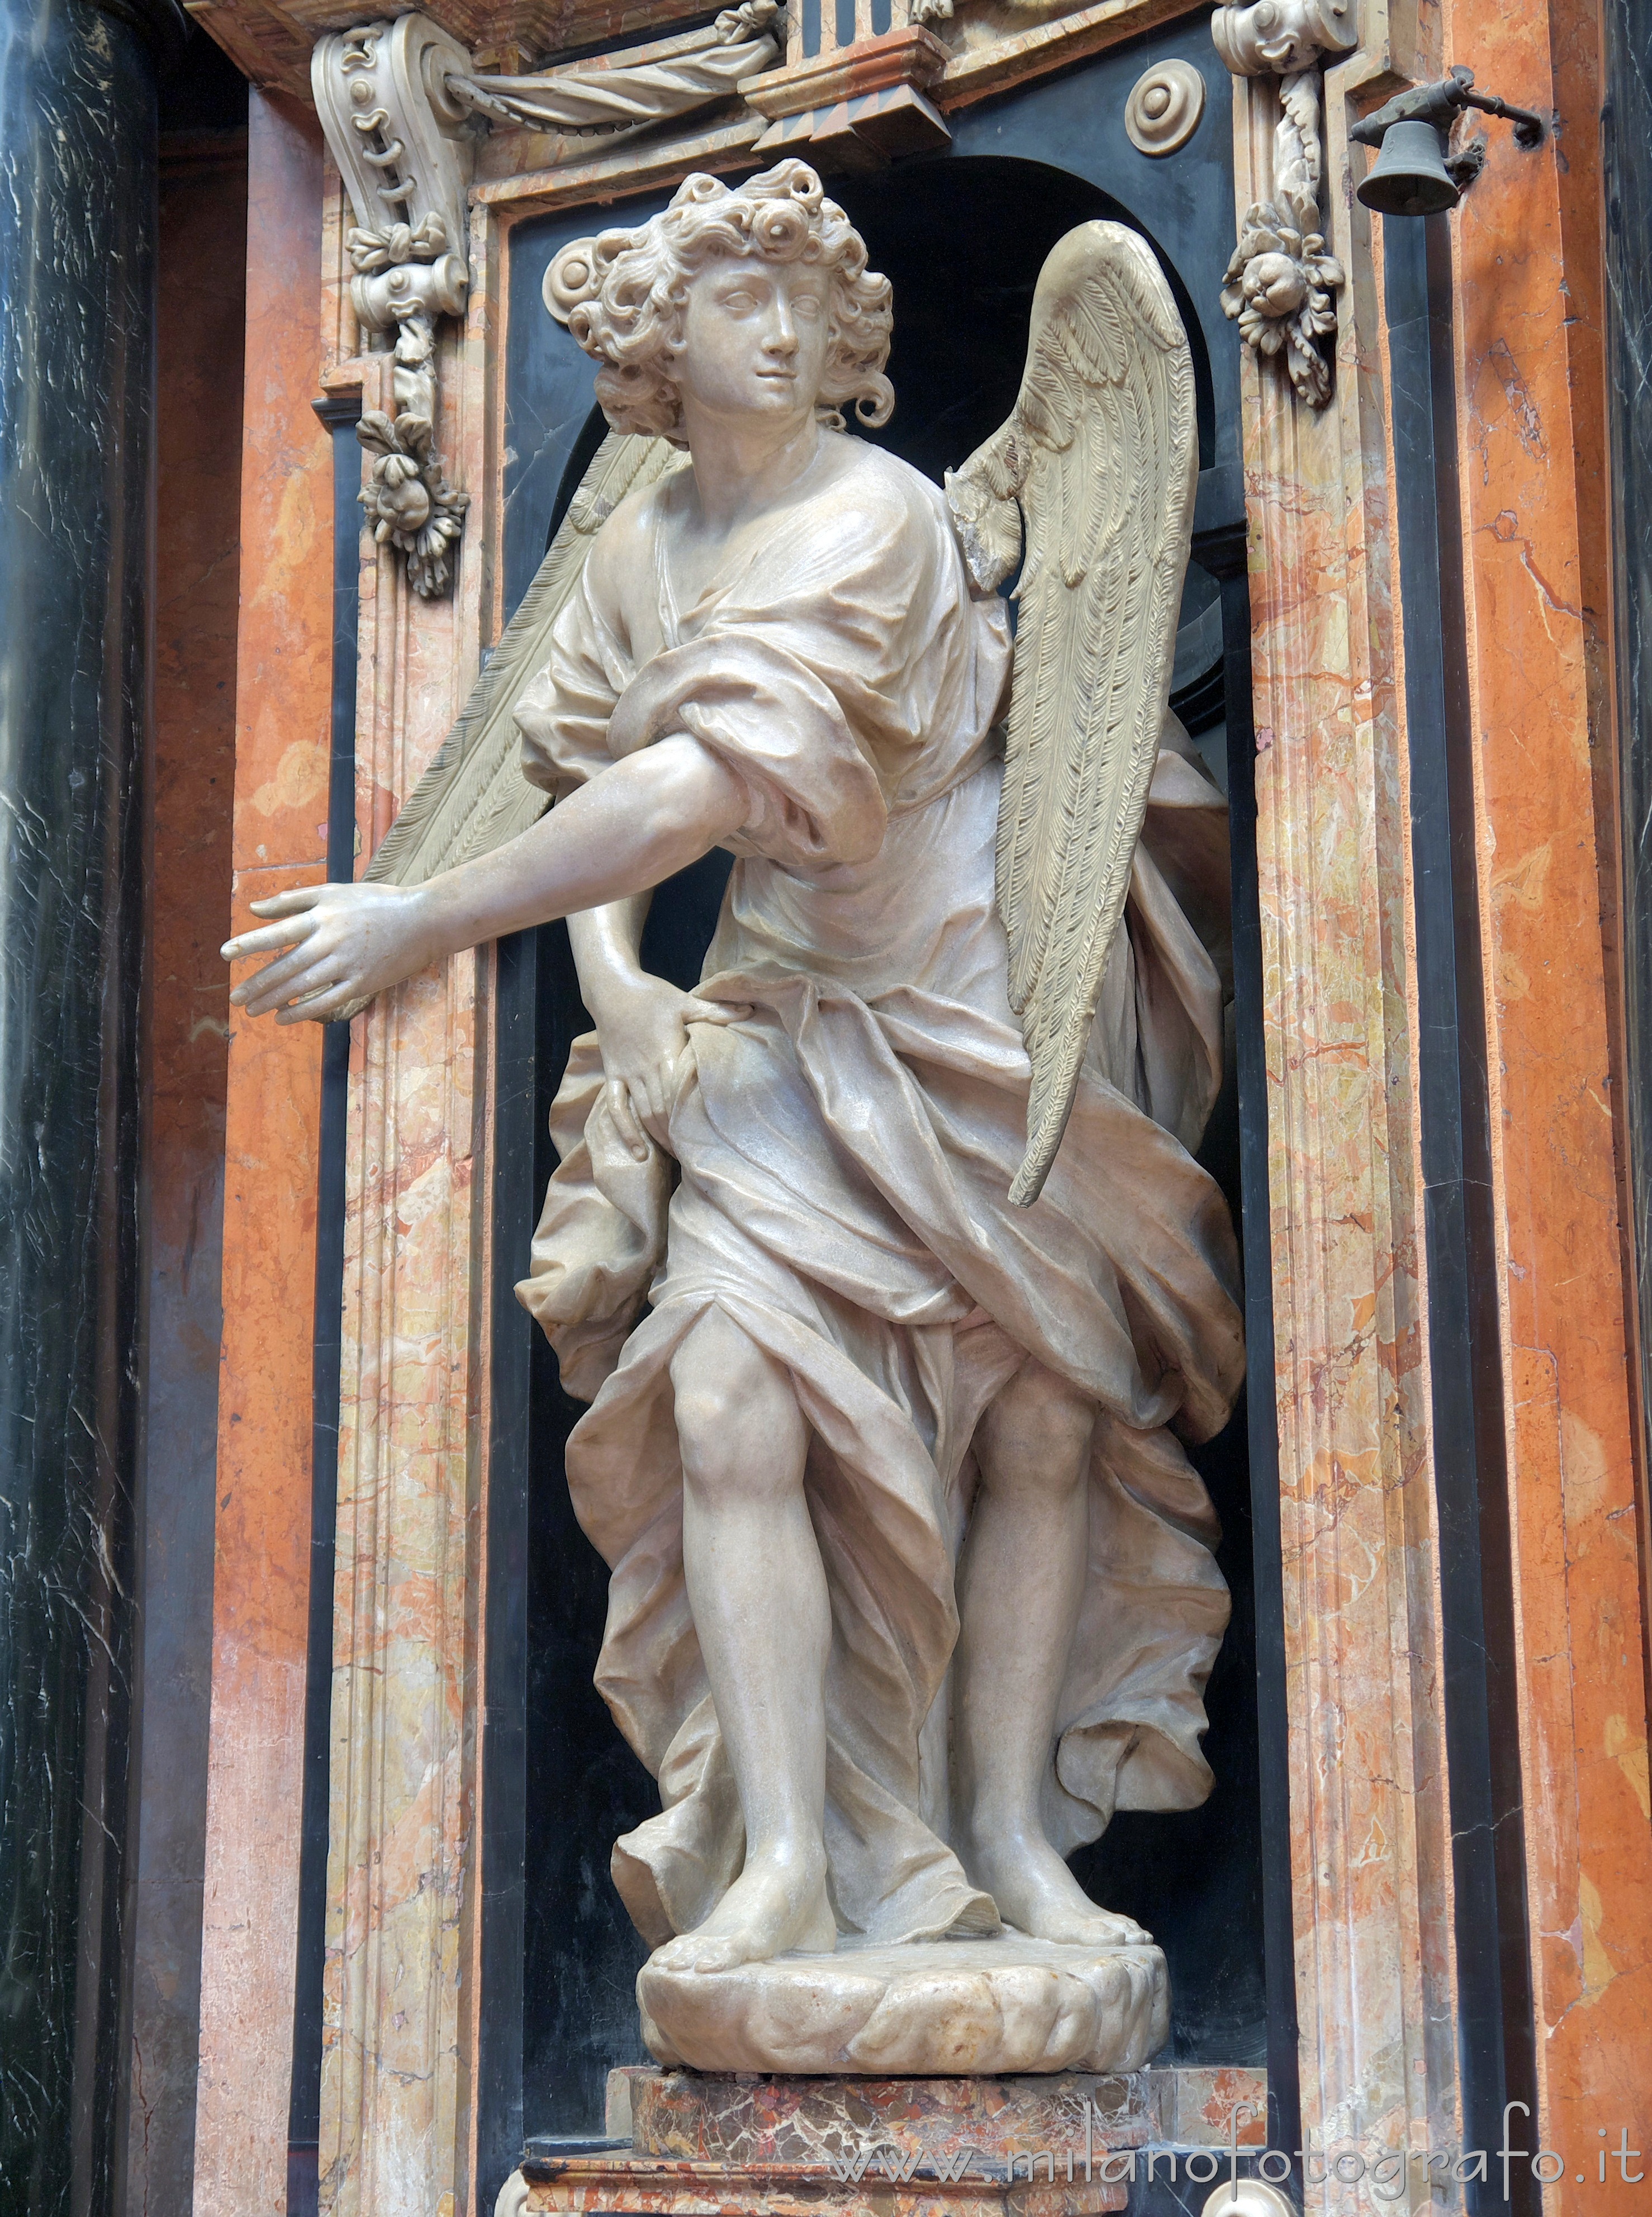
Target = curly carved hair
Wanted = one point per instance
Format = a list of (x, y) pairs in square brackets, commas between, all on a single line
[(623, 295)]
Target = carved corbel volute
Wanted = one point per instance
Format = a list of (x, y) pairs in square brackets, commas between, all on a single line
[(1281, 283), (405, 147)]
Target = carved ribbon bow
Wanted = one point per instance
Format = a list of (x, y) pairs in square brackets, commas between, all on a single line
[(399, 242)]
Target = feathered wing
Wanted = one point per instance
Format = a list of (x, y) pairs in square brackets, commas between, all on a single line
[(1101, 455), (473, 796)]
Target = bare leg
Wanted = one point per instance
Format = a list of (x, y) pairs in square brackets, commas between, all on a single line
[(758, 1593), (1020, 1582)]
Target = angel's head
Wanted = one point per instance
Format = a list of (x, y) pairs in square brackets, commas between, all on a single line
[(759, 298)]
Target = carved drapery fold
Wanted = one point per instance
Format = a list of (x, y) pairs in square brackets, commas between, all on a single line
[(1281, 280)]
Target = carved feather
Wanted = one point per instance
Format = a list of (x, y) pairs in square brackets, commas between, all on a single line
[(473, 796), (1101, 453)]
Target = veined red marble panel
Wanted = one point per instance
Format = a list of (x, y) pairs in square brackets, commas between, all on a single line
[(262, 1580)]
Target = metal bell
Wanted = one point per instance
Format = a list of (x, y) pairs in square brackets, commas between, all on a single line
[(1410, 176)]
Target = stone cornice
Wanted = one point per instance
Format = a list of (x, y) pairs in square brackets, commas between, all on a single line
[(270, 40), (909, 56)]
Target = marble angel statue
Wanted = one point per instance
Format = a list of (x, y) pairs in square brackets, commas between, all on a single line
[(882, 1259)]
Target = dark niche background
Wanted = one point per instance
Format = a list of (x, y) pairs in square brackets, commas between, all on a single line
[(962, 237)]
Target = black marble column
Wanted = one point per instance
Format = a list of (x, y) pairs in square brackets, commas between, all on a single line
[(78, 196), (1627, 118), (1495, 2031)]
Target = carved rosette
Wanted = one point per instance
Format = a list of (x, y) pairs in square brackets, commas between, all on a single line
[(1281, 282)]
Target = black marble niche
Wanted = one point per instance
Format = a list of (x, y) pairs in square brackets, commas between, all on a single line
[(77, 212), (963, 236)]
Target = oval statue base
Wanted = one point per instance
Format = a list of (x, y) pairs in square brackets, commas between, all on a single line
[(972, 2007)]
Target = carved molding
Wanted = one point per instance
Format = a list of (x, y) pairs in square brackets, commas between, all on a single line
[(855, 107), (1281, 280)]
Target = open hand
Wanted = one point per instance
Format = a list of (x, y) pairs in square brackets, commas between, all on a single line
[(346, 942), (642, 1030)]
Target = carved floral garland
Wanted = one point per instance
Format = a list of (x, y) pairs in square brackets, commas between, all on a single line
[(1280, 282), (403, 271)]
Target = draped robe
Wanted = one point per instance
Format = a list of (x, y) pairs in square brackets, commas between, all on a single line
[(836, 1182)]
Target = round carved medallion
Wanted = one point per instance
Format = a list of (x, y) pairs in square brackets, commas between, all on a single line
[(1164, 108), (573, 277)]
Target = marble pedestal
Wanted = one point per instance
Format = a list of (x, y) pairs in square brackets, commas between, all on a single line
[(984, 2007), (705, 2145), (593, 2184)]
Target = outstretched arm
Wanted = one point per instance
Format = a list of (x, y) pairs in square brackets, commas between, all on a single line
[(650, 814)]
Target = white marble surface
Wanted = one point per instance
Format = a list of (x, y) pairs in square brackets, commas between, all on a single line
[(975, 2006)]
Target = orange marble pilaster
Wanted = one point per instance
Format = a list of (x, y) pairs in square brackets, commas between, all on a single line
[(261, 1581), (1528, 296), (1370, 1862), (402, 1886)]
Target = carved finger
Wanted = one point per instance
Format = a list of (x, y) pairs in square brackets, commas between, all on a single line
[(652, 1106), (696, 1011), (291, 934), (664, 1085), (320, 1008), (288, 980), (293, 902), (624, 1116), (275, 977)]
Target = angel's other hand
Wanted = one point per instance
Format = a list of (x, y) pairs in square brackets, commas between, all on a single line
[(344, 943), (643, 1034)]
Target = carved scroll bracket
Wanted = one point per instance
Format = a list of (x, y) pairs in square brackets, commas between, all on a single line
[(1281, 282), (406, 151)]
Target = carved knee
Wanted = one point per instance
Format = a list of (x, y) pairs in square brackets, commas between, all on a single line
[(1036, 1435), (737, 1424), (706, 1411)]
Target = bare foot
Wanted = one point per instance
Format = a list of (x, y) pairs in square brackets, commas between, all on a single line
[(776, 1903), (1038, 1895)]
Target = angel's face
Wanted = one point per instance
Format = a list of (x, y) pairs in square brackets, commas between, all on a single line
[(754, 339)]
